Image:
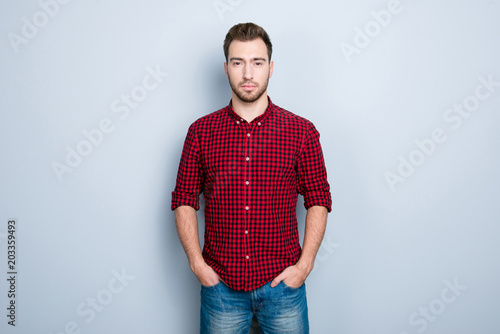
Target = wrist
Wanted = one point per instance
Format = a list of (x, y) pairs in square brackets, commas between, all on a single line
[(197, 264), (305, 265)]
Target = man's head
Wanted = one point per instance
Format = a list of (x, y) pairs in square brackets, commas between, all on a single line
[(248, 66), (244, 32)]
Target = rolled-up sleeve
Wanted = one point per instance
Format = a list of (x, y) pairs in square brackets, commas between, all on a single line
[(312, 178), (189, 181)]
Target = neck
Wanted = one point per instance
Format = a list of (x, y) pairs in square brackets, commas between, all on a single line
[(250, 110)]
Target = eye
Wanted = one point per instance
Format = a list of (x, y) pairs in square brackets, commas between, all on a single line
[(258, 63), (236, 63)]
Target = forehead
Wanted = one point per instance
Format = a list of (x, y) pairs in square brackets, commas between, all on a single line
[(248, 49)]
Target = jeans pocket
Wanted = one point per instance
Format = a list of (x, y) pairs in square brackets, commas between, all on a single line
[(291, 288), (212, 286)]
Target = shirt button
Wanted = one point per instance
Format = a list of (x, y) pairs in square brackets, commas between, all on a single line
[(259, 123), (247, 257), (247, 208), (248, 134), (248, 159), (237, 122), (247, 183), (246, 232)]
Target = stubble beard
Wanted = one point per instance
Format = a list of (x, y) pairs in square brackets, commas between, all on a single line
[(248, 97)]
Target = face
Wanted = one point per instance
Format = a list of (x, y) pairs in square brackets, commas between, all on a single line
[(248, 69)]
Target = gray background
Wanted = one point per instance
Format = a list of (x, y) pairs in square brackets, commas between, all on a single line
[(389, 253)]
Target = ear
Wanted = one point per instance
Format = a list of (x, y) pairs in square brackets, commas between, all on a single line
[(271, 68), (225, 70)]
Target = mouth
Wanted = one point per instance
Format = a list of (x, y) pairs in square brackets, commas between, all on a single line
[(248, 87)]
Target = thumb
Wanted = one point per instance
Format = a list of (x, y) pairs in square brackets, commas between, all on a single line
[(277, 280)]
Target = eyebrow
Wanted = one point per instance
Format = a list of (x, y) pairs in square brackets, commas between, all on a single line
[(253, 59)]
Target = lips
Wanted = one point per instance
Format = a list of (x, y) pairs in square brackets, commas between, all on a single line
[(248, 87)]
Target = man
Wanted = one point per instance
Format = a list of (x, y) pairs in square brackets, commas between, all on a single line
[(250, 160)]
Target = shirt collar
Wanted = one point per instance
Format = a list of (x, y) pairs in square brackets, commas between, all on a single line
[(260, 118)]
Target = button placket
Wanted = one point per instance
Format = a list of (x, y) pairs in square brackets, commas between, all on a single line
[(249, 129), (247, 154)]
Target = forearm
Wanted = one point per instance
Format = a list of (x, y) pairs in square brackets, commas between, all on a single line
[(316, 218), (313, 235), (187, 229)]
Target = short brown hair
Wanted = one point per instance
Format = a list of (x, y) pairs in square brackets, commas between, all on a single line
[(247, 32)]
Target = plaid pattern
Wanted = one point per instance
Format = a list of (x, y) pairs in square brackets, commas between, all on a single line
[(250, 175)]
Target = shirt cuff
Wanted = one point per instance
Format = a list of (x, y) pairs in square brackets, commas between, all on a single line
[(180, 198), (320, 198)]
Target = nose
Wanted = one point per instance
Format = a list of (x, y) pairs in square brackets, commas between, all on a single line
[(247, 72)]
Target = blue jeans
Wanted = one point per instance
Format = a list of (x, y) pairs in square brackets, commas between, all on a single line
[(281, 309)]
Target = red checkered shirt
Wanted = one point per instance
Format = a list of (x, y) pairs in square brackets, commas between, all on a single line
[(250, 175)]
